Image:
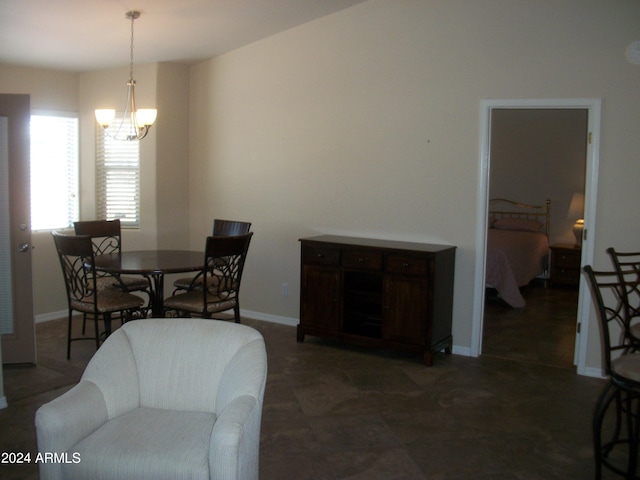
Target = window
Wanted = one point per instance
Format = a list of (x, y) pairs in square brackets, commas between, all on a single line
[(117, 179), (54, 171)]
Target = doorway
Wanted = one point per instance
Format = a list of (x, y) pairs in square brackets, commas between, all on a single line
[(488, 109), (537, 155)]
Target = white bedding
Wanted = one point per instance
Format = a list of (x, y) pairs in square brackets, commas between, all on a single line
[(514, 258)]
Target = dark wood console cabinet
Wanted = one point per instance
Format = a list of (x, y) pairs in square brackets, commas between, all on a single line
[(377, 293)]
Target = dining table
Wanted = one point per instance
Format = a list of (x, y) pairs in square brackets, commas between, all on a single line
[(153, 264)]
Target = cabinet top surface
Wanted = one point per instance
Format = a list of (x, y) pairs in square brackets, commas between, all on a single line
[(377, 243), (565, 246)]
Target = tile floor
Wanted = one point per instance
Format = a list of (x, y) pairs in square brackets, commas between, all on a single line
[(336, 412)]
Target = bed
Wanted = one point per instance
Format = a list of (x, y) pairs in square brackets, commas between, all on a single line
[(517, 247)]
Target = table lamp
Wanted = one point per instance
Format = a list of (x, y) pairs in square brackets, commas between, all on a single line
[(576, 212)]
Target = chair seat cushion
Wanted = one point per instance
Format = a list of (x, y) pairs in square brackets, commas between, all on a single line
[(184, 283), (627, 367), (134, 283), (146, 443), (108, 301), (131, 283), (192, 301)]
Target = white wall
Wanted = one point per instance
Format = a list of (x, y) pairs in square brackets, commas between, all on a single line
[(366, 122)]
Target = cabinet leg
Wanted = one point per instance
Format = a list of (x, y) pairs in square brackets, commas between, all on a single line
[(300, 334)]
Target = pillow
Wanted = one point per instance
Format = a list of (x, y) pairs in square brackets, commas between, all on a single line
[(523, 224)]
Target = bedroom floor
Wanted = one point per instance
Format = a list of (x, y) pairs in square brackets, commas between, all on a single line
[(543, 332), (336, 412)]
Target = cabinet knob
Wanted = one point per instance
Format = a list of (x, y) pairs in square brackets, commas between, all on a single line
[(361, 260), (320, 255), (405, 265)]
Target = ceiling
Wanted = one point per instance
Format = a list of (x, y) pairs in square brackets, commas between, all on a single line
[(84, 35)]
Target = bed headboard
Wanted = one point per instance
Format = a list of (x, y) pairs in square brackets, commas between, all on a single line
[(503, 208)]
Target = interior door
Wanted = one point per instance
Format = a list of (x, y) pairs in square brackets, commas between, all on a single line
[(16, 307)]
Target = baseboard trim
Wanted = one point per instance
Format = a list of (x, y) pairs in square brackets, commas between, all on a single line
[(47, 317), (292, 322), (3, 402), (593, 372), (463, 351)]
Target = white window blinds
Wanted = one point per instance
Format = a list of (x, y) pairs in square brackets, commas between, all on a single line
[(54, 171), (117, 179)]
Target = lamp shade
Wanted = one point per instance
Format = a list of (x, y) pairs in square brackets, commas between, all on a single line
[(576, 207), (146, 117), (105, 116)]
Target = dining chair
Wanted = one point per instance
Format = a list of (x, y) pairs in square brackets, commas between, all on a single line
[(106, 237), (627, 267), (619, 451), (224, 260), (225, 228), (76, 256)]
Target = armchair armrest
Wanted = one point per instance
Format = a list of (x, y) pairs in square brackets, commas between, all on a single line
[(233, 449), (63, 422), (235, 439), (245, 374)]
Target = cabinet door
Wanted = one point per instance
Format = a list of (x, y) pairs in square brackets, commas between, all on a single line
[(405, 309), (320, 299)]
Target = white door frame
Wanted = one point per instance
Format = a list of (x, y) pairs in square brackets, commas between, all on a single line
[(593, 106)]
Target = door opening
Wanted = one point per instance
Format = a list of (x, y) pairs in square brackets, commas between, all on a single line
[(488, 108)]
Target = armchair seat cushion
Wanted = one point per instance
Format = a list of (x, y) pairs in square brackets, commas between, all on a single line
[(146, 443)]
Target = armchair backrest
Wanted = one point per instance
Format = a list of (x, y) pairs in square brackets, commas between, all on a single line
[(178, 364)]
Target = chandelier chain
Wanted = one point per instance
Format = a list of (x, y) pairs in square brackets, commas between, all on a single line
[(132, 16)]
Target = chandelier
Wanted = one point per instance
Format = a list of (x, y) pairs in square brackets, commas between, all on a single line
[(140, 120)]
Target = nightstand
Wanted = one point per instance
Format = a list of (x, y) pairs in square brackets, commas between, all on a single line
[(565, 264)]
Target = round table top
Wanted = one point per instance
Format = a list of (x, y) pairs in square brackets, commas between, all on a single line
[(149, 262)]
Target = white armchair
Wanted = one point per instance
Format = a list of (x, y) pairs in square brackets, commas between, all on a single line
[(161, 399)]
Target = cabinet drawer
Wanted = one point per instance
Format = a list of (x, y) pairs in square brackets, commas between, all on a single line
[(407, 264), (320, 255), (566, 259), (362, 259)]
